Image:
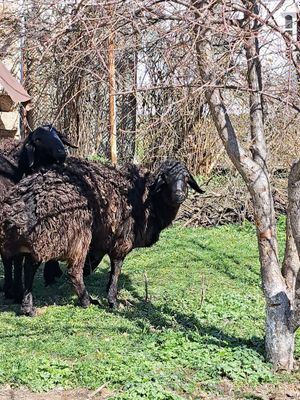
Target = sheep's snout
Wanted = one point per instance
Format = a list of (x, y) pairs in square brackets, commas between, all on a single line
[(178, 191), (178, 197)]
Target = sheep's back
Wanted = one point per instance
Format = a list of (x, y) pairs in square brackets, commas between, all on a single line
[(48, 211), (47, 215), (107, 190)]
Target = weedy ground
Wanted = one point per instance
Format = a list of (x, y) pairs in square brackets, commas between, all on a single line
[(200, 332)]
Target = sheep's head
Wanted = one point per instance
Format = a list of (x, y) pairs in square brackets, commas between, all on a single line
[(172, 181), (43, 146)]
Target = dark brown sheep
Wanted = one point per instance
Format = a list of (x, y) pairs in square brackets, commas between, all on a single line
[(82, 206), (41, 147)]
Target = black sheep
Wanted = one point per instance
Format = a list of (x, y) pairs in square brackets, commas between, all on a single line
[(42, 147), (82, 207)]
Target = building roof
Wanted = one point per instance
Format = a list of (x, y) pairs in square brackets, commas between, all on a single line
[(12, 86)]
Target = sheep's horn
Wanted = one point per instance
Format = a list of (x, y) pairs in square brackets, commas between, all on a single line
[(65, 141), (62, 136), (194, 185)]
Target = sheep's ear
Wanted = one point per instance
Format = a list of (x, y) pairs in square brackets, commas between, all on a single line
[(194, 185), (65, 141), (30, 154), (157, 184)]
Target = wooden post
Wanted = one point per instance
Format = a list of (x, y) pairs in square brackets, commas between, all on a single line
[(112, 99)]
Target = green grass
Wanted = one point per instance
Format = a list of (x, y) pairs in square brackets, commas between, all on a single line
[(203, 323)]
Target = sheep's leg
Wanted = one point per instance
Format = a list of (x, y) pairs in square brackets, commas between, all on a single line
[(91, 263), (112, 287), (8, 277), (51, 271), (18, 281), (75, 272), (30, 268)]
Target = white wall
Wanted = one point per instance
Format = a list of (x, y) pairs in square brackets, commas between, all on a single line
[(274, 51)]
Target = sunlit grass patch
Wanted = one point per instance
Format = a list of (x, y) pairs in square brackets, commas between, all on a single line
[(204, 323)]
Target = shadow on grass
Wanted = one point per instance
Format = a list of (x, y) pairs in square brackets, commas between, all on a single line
[(225, 263), (163, 317), (143, 313)]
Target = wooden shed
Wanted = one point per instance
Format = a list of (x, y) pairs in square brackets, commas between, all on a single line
[(12, 95)]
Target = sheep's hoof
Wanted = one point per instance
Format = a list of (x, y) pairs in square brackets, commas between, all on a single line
[(85, 302), (28, 312), (114, 305)]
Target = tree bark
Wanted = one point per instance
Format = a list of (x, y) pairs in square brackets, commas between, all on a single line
[(291, 263), (294, 219)]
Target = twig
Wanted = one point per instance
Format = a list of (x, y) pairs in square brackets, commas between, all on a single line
[(202, 296), (97, 391), (147, 297)]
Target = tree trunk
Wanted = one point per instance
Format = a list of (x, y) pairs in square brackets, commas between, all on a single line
[(280, 336), (279, 339)]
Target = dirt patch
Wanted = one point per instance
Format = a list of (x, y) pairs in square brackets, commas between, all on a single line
[(225, 391), (274, 392), (280, 391), (7, 393)]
